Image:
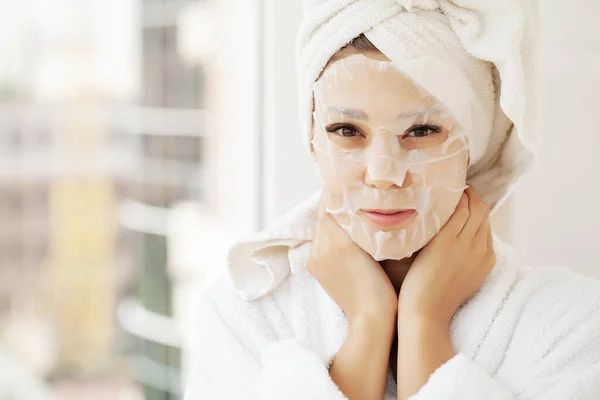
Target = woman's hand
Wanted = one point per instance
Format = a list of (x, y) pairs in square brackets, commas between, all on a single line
[(351, 277), (359, 285), (451, 268), (446, 273)]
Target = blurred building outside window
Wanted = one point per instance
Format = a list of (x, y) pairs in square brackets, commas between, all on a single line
[(102, 112)]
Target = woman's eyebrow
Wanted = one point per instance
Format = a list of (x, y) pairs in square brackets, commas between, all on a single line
[(351, 112), (360, 114), (424, 111)]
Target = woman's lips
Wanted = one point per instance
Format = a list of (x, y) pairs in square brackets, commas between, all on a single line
[(389, 218)]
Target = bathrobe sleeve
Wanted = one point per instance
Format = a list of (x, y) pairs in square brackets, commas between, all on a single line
[(461, 378), (553, 351), (228, 364), (293, 372)]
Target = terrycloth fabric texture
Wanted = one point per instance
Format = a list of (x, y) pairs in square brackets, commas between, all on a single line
[(288, 239), (528, 333), (491, 45)]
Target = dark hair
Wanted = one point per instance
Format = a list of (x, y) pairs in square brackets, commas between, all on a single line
[(359, 44)]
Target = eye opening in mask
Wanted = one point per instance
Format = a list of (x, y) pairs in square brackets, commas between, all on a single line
[(421, 127), (334, 128), (349, 136), (438, 136)]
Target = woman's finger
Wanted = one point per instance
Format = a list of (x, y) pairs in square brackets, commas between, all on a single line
[(330, 227), (458, 218), (490, 239), (483, 233), (321, 208), (325, 218), (477, 213)]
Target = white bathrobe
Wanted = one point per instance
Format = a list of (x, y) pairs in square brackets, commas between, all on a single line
[(528, 333), (269, 331)]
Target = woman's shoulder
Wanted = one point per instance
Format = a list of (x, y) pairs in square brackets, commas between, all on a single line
[(558, 308), (548, 325), (222, 293), (554, 286), (548, 286), (298, 304), (221, 297), (551, 300), (562, 298)]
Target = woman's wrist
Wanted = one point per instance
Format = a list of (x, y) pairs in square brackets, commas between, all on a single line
[(380, 325), (419, 321), (421, 314), (360, 367)]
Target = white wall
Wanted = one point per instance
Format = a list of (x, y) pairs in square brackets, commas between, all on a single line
[(232, 158), (289, 172), (233, 123), (555, 215)]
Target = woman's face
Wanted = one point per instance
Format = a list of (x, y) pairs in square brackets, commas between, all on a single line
[(392, 160)]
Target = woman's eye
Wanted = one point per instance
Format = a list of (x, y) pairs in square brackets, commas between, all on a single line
[(422, 131), (344, 131), (347, 132)]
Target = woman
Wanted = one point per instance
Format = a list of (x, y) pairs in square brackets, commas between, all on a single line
[(389, 283)]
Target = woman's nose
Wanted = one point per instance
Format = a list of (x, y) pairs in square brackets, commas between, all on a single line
[(383, 175)]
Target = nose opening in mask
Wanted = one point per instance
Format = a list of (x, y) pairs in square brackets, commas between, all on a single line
[(386, 172)]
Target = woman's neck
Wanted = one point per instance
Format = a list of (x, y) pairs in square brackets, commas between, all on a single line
[(396, 270)]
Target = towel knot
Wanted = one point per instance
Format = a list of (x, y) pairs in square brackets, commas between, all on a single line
[(419, 5)]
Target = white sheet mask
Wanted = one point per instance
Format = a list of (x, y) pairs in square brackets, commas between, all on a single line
[(383, 143)]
